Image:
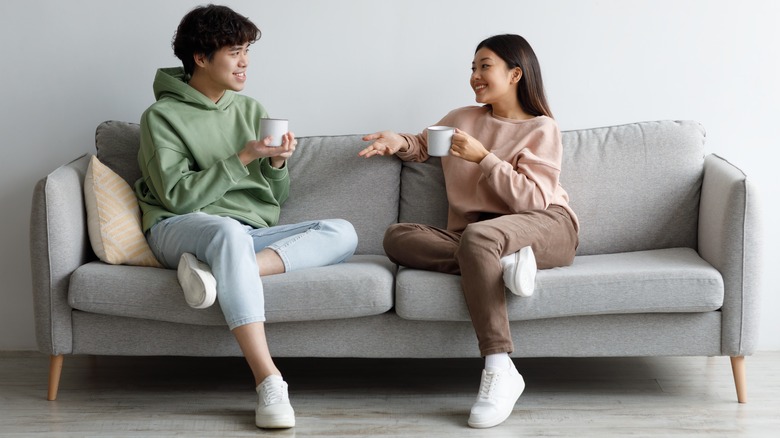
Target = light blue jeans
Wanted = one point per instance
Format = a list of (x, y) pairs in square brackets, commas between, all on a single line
[(229, 248)]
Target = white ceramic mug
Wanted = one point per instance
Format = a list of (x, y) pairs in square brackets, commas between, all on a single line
[(440, 140), (276, 128)]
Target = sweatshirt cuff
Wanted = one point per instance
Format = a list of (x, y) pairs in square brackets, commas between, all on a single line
[(489, 163), (271, 172), (413, 153)]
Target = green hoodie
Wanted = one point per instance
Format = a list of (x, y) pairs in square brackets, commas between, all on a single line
[(189, 162)]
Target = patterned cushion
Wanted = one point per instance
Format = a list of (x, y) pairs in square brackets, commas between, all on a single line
[(114, 218)]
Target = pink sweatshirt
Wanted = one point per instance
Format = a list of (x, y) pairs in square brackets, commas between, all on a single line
[(521, 172)]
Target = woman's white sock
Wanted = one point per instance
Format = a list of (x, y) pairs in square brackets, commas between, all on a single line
[(500, 361)]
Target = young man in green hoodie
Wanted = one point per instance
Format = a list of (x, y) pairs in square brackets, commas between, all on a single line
[(212, 190)]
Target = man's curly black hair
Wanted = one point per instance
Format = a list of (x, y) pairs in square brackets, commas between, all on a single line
[(207, 29)]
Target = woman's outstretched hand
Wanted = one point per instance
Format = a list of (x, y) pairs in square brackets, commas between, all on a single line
[(384, 143)]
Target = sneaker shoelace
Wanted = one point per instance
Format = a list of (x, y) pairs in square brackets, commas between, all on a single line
[(488, 385), (274, 392)]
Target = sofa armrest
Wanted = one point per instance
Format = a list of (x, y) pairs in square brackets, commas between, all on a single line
[(59, 243), (729, 239)]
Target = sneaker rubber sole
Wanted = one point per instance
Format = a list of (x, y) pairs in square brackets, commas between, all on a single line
[(197, 282), (520, 277)]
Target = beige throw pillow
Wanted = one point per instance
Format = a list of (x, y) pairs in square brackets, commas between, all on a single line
[(114, 218)]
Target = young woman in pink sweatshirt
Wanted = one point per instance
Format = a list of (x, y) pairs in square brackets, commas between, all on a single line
[(507, 214)]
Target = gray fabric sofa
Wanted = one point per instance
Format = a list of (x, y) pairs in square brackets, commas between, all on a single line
[(667, 263)]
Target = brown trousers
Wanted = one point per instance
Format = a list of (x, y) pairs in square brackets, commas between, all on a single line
[(474, 254)]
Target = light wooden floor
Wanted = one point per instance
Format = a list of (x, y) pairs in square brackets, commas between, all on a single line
[(594, 397)]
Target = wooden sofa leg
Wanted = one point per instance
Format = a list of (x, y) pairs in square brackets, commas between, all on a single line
[(740, 381), (55, 370)]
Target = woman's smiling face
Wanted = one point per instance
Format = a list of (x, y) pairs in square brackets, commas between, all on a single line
[(491, 79)]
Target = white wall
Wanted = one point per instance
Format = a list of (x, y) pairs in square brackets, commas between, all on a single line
[(355, 66)]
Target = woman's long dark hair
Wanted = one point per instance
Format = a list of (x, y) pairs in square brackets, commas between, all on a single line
[(516, 52)]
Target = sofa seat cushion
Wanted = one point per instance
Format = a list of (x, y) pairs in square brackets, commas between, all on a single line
[(655, 281), (362, 286)]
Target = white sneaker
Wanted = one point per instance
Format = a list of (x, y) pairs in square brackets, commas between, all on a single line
[(498, 393), (273, 405), (197, 282), (520, 272)]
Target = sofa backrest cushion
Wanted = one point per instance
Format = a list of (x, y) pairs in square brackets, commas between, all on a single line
[(423, 196), (634, 187), (117, 146), (328, 180)]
